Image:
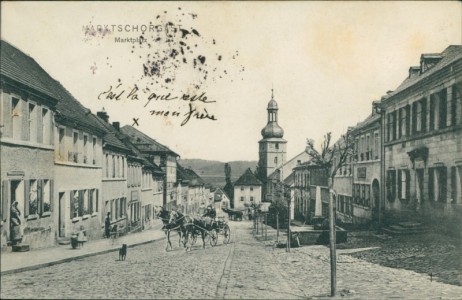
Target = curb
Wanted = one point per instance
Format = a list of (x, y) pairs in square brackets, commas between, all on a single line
[(68, 259)]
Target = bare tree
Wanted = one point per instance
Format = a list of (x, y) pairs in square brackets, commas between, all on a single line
[(332, 157)]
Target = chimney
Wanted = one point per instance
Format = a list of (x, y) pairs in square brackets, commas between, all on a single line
[(116, 125), (414, 71), (103, 115)]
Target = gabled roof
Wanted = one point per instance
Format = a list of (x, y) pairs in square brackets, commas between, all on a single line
[(248, 178), (20, 67), (275, 173), (113, 137), (188, 176), (450, 55), (369, 120), (145, 142)]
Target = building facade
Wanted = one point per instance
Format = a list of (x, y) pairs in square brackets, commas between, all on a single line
[(423, 141), (27, 149), (247, 191)]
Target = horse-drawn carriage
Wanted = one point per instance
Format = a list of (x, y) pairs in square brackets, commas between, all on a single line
[(189, 228), (212, 230), (235, 215)]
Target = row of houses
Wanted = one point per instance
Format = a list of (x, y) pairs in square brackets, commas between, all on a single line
[(407, 158), (67, 167)]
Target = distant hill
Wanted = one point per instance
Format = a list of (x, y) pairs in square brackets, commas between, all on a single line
[(213, 171)]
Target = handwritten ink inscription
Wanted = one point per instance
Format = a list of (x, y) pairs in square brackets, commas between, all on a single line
[(192, 111)]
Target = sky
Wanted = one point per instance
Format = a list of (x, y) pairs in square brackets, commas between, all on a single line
[(218, 63)]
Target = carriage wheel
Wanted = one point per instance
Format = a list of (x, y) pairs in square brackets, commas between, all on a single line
[(226, 234), (213, 237)]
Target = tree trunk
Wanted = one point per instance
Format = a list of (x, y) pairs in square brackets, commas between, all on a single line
[(332, 238), (277, 227)]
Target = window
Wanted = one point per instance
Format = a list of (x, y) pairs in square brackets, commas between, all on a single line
[(443, 108), (251, 199), (16, 116), (251, 188), (75, 202), (275, 160), (437, 179), (402, 122), (32, 123), (123, 166), (91, 202), (46, 197), (455, 105), (403, 184), (391, 185), (85, 151), (33, 200), (277, 145), (376, 146), (46, 126), (94, 151), (106, 165), (61, 143), (242, 198), (368, 148), (113, 163), (75, 149), (362, 149), (242, 188)]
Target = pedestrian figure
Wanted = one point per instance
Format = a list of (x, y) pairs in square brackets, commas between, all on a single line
[(15, 224), (81, 236), (107, 225)]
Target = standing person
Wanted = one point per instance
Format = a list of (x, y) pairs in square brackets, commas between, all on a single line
[(15, 224), (107, 225)]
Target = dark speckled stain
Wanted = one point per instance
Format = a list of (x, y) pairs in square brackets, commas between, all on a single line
[(173, 46)]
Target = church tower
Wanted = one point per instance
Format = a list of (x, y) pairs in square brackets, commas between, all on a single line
[(273, 148)]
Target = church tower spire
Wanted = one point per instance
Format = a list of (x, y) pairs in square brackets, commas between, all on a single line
[(272, 149)]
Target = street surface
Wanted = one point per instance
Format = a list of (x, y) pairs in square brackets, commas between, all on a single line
[(245, 268)]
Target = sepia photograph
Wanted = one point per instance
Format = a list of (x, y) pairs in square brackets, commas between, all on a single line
[(231, 150)]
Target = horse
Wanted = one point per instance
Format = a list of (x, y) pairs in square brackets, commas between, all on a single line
[(195, 226), (173, 220), (233, 215)]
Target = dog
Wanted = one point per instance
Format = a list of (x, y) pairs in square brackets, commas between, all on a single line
[(123, 252)]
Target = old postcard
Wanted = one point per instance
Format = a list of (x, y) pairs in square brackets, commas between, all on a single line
[(230, 149)]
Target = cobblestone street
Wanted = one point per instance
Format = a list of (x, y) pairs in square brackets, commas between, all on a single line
[(246, 268)]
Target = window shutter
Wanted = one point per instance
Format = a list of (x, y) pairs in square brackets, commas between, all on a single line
[(97, 201), (443, 108), (408, 120), (424, 115), (51, 195), (26, 197), (454, 105), (400, 123), (25, 120), (432, 112), (444, 185), (40, 122), (7, 116), (408, 185), (80, 202), (71, 202), (431, 182), (394, 124), (39, 197), (400, 188), (393, 184), (5, 199), (453, 185)]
